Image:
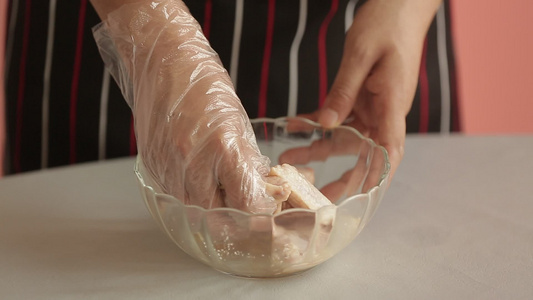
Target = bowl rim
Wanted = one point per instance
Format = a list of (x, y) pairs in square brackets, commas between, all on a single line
[(382, 181)]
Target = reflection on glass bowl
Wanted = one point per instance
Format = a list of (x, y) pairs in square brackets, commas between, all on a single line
[(351, 170)]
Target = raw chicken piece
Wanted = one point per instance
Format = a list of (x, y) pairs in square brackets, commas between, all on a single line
[(303, 193), (279, 189), (286, 205), (275, 186), (308, 173)]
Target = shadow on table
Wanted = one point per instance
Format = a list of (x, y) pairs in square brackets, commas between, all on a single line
[(90, 246), (105, 257)]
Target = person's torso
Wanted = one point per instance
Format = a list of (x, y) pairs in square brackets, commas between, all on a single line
[(62, 107)]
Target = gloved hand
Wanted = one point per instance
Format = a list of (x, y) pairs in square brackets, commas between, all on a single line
[(193, 135)]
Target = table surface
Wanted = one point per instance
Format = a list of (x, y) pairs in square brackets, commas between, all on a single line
[(456, 223)]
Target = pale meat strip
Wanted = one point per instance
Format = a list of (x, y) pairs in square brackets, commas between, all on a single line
[(279, 189), (308, 173), (303, 193)]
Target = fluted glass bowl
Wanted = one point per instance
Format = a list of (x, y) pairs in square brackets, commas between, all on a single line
[(348, 168)]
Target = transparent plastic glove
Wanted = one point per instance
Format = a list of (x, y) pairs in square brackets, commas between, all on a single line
[(193, 135)]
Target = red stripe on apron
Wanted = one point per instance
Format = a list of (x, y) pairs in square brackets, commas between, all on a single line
[(424, 92), (322, 55), (21, 87), (266, 59), (207, 17), (75, 80), (133, 141)]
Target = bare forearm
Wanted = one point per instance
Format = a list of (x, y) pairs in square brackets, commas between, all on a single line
[(423, 10), (418, 14)]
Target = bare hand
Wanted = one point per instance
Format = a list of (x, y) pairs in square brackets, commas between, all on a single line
[(377, 79)]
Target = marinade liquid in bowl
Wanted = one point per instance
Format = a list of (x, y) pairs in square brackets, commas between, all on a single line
[(351, 170)]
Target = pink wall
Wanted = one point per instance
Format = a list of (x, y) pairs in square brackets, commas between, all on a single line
[(494, 49)]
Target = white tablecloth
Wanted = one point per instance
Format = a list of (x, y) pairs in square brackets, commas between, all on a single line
[(456, 223)]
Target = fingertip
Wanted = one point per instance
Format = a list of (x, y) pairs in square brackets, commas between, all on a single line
[(328, 118), (395, 158)]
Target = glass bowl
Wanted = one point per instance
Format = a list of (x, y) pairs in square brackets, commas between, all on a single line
[(349, 169)]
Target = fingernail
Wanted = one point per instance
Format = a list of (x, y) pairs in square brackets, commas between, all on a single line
[(328, 118)]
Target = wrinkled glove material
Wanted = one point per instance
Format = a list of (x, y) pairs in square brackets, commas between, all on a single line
[(193, 134)]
